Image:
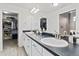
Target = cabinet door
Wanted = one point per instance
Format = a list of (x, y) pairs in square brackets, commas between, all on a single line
[(35, 51), (27, 45), (24, 37), (46, 53), (38, 47)]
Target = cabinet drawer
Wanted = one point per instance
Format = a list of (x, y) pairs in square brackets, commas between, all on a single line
[(28, 50), (35, 52), (27, 45), (27, 40), (37, 47)]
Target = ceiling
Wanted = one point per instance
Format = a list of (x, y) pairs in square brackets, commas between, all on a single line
[(43, 7)]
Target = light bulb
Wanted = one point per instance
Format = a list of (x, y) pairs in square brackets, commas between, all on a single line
[(33, 9), (36, 10)]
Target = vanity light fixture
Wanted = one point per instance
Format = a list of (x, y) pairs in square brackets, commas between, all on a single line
[(36, 10), (33, 9)]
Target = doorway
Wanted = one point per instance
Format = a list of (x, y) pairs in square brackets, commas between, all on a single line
[(10, 28), (67, 22)]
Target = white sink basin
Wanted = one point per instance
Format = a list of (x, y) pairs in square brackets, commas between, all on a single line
[(54, 42)]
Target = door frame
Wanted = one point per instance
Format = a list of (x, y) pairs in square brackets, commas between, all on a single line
[(2, 26)]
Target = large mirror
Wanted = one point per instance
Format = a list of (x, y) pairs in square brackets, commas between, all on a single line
[(67, 22), (43, 24)]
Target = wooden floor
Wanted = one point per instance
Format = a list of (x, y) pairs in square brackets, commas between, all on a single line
[(11, 49)]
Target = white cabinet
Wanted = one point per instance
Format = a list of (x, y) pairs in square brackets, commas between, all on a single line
[(46, 53), (27, 45), (36, 49)]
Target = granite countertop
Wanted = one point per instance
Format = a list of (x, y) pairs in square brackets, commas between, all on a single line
[(71, 50)]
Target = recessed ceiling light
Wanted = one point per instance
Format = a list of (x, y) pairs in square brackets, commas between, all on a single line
[(55, 4)]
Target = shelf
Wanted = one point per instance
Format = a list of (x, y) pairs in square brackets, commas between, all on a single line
[(7, 26)]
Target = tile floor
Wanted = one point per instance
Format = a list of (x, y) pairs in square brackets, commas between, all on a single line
[(11, 49)]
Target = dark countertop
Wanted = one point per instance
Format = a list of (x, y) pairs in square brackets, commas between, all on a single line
[(71, 50)]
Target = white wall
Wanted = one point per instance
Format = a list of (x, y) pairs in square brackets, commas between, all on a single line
[(54, 22), (53, 17), (51, 22), (26, 20), (21, 19), (32, 21)]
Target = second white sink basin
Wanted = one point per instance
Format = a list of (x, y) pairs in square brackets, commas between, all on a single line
[(53, 42)]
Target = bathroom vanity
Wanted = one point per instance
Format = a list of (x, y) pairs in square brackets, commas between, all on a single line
[(34, 47)]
